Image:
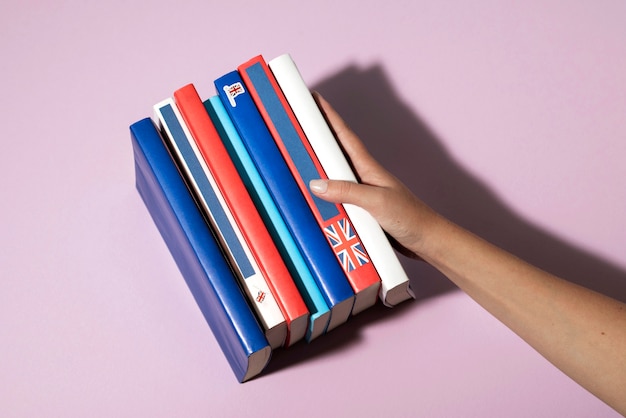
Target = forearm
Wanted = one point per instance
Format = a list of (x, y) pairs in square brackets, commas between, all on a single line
[(581, 332)]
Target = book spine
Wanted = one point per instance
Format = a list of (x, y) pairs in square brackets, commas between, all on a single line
[(395, 283), (244, 212), (318, 308), (305, 166), (197, 254), (287, 196), (204, 187)]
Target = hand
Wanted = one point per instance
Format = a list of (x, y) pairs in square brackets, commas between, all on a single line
[(405, 218), (581, 332)]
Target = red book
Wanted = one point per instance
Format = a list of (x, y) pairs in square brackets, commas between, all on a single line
[(244, 211), (305, 166)]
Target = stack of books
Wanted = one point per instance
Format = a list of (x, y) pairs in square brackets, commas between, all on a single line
[(226, 182)]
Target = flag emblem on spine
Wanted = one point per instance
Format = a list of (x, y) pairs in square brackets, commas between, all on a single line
[(233, 91), (346, 244)]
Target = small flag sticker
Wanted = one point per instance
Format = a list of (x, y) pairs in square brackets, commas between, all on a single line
[(233, 91)]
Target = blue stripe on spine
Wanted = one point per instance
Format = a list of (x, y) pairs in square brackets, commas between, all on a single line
[(299, 154), (216, 209)]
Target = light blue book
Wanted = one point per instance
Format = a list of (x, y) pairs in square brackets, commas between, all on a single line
[(320, 312)]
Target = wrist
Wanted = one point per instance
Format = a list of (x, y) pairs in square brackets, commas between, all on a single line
[(434, 239)]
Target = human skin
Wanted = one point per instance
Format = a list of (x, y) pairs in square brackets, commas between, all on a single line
[(580, 331)]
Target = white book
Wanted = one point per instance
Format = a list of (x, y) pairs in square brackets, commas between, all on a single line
[(395, 285), (203, 186)]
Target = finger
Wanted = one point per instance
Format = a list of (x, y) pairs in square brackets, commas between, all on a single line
[(340, 191)]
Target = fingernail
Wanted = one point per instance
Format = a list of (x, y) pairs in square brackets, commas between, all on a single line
[(319, 186)]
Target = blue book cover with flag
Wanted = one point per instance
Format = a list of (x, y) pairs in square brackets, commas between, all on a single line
[(197, 254), (287, 195)]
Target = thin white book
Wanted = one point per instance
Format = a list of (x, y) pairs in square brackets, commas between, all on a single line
[(204, 187), (395, 284)]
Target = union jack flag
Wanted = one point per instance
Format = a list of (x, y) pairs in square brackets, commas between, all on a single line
[(233, 91), (346, 244)]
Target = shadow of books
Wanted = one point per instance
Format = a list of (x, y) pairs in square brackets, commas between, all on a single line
[(397, 137)]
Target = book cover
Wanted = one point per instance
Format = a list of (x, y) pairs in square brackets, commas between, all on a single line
[(197, 254), (395, 283), (287, 196), (304, 166), (318, 308), (203, 186), (244, 212)]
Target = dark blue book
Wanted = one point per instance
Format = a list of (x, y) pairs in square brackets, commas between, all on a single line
[(197, 253), (286, 193)]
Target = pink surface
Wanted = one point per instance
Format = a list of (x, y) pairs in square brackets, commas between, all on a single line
[(509, 119)]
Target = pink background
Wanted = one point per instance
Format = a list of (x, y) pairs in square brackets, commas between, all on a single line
[(510, 119)]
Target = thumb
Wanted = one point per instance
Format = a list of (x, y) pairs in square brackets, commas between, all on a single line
[(340, 191)]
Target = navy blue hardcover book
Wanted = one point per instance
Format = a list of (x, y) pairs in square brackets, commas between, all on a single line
[(286, 193), (197, 254)]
